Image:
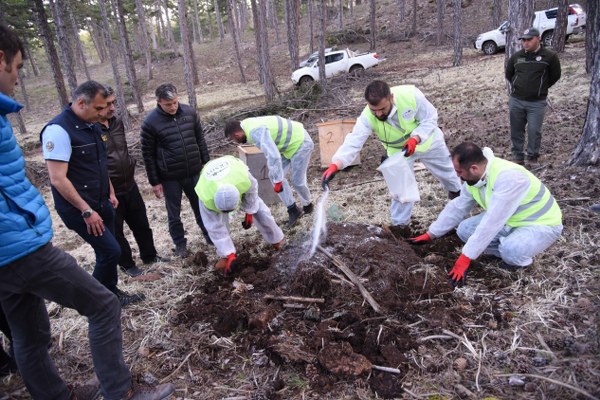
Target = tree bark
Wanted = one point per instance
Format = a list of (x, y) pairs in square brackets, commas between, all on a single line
[(292, 16), (592, 30), (341, 14), (197, 21), (262, 44), (496, 13), (34, 67), (127, 56), (77, 40), (373, 20), (161, 30), (441, 9), (322, 34), (414, 18), (520, 15), (120, 95), (401, 10), (219, 21), (274, 20), (243, 7), (66, 47), (587, 151), (211, 33), (23, 90), (311, 15), (188, 61), (170, 36), (98, 40), (233, 30), (48, 40), (139, 6), (560, 30), (458, 48)]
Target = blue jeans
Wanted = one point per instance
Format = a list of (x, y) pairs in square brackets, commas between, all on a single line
[(173, 191), (106, 247), (50, 273)]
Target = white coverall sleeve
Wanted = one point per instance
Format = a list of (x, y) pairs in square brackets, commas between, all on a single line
[(217, 225), (453, 213), (250, 203), (353, 143), (510, 189), (263, 140), (426, 115)]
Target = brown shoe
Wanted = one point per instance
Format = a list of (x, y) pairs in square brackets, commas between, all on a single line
[(85, 392), (519, 162), (160, 392)]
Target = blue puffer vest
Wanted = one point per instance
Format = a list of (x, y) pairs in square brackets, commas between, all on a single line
[(88, 171), (25, 223)]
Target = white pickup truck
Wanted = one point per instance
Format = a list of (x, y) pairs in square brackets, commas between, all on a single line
[(544, 21), (336, 63)]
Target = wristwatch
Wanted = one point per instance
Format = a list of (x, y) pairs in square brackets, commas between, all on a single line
[(87, 213)]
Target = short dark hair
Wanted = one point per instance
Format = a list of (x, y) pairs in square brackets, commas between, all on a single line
[(232, 126), (376, 91), (109, 90), (88, 91), (10, 43), (166, 91), (467, 154)]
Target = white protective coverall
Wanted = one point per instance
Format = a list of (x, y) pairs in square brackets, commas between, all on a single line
[(217, 223), (279, 166), (487, 232), (436, 159)]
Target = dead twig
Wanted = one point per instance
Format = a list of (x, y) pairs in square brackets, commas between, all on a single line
[(386, 369), (295, 298), (574, 199), (563, 384), (352, 276), (168, 377)]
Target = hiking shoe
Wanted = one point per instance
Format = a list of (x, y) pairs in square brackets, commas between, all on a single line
[(156, 259), (533, 163), (85, 392), (294, 213), (132, 271), (308, 208), (126, 299), (519, 161), (181, 250), (453, 195), (139, 392)]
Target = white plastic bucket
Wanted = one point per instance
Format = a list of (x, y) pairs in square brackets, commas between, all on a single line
[(400, 179)]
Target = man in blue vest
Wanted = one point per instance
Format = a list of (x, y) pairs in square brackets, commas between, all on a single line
[(404, 120), (521, 218), (32, 270), (286, 145), (75, 153)]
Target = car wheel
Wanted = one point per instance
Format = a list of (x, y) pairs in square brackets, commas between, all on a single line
[(489, 48), (357, 71), (547, 38), (305, 80)]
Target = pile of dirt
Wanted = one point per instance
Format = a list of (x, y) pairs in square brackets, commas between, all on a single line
[(305, 315)]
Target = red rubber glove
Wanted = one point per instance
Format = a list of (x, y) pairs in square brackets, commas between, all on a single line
[(247, 223), (225, 264), (328, 175), (421, 239), (278, 188), (457, 273), (410, 146)]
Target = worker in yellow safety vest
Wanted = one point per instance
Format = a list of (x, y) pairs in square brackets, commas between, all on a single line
[(404, 120), (225, 184), (286, 146), (521, 218)]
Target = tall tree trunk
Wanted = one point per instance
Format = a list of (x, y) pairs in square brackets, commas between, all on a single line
[(414, 18), (520, 15), (587, 151), (401, 10), (373, 20), (233, 30), (161, 30), (441, 9), (322, 35), (243, 7), (66, 47), (197, 22), (219, 20), (127, 56), (139, 6), (351, 7), (98, 40), (20, 122), (211, 33), (23, 90), (195, 76), (560, 28), (262, 41), (274, 20), (592, 31), (458, 48), (188, 61), (170, 37), (496, 13), (120, 95), (153, 36), (34, 67), (77, 40), (292, 16), (341, 14), (48, 40), (311, 16)]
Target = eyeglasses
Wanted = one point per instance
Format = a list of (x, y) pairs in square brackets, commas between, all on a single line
[(526, 39)]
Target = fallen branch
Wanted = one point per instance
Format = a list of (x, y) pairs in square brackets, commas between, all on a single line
[(426, 338), (574, 199), (386, 369), (292, 305), (352, 276), (168, 377), (294, 298), (568, 386)]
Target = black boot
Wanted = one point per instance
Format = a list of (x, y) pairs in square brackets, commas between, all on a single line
[(294, 213), (308, 208)]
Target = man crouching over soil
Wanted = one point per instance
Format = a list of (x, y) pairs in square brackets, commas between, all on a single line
[(521, 218), (225, 184)]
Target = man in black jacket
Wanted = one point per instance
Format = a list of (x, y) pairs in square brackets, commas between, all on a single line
[(131, 208), (531, 72), (174, 152)]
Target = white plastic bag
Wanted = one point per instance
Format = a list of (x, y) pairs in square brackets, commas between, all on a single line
[(400, 179)]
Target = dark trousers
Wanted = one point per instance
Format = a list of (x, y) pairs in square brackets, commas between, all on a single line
[(106, 247), (132, 209), (4, 357), (173, 191), (526, 116), (50, 273)]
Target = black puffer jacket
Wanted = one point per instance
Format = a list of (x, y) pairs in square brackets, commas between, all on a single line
[(173, 146)]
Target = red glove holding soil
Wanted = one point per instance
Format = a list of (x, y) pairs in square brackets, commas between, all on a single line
[(458, 272), (225, 263), (247, 223), (421, 239)]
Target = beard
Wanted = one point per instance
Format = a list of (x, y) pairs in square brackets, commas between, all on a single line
[(244, 140), (383, 118)]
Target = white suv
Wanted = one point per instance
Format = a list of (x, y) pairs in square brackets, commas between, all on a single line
[(544, 21)]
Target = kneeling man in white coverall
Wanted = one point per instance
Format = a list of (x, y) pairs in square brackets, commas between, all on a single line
[(521, 218), (404, 120), (224, 185)]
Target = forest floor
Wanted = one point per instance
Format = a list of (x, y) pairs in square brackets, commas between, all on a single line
[(531, 334)]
